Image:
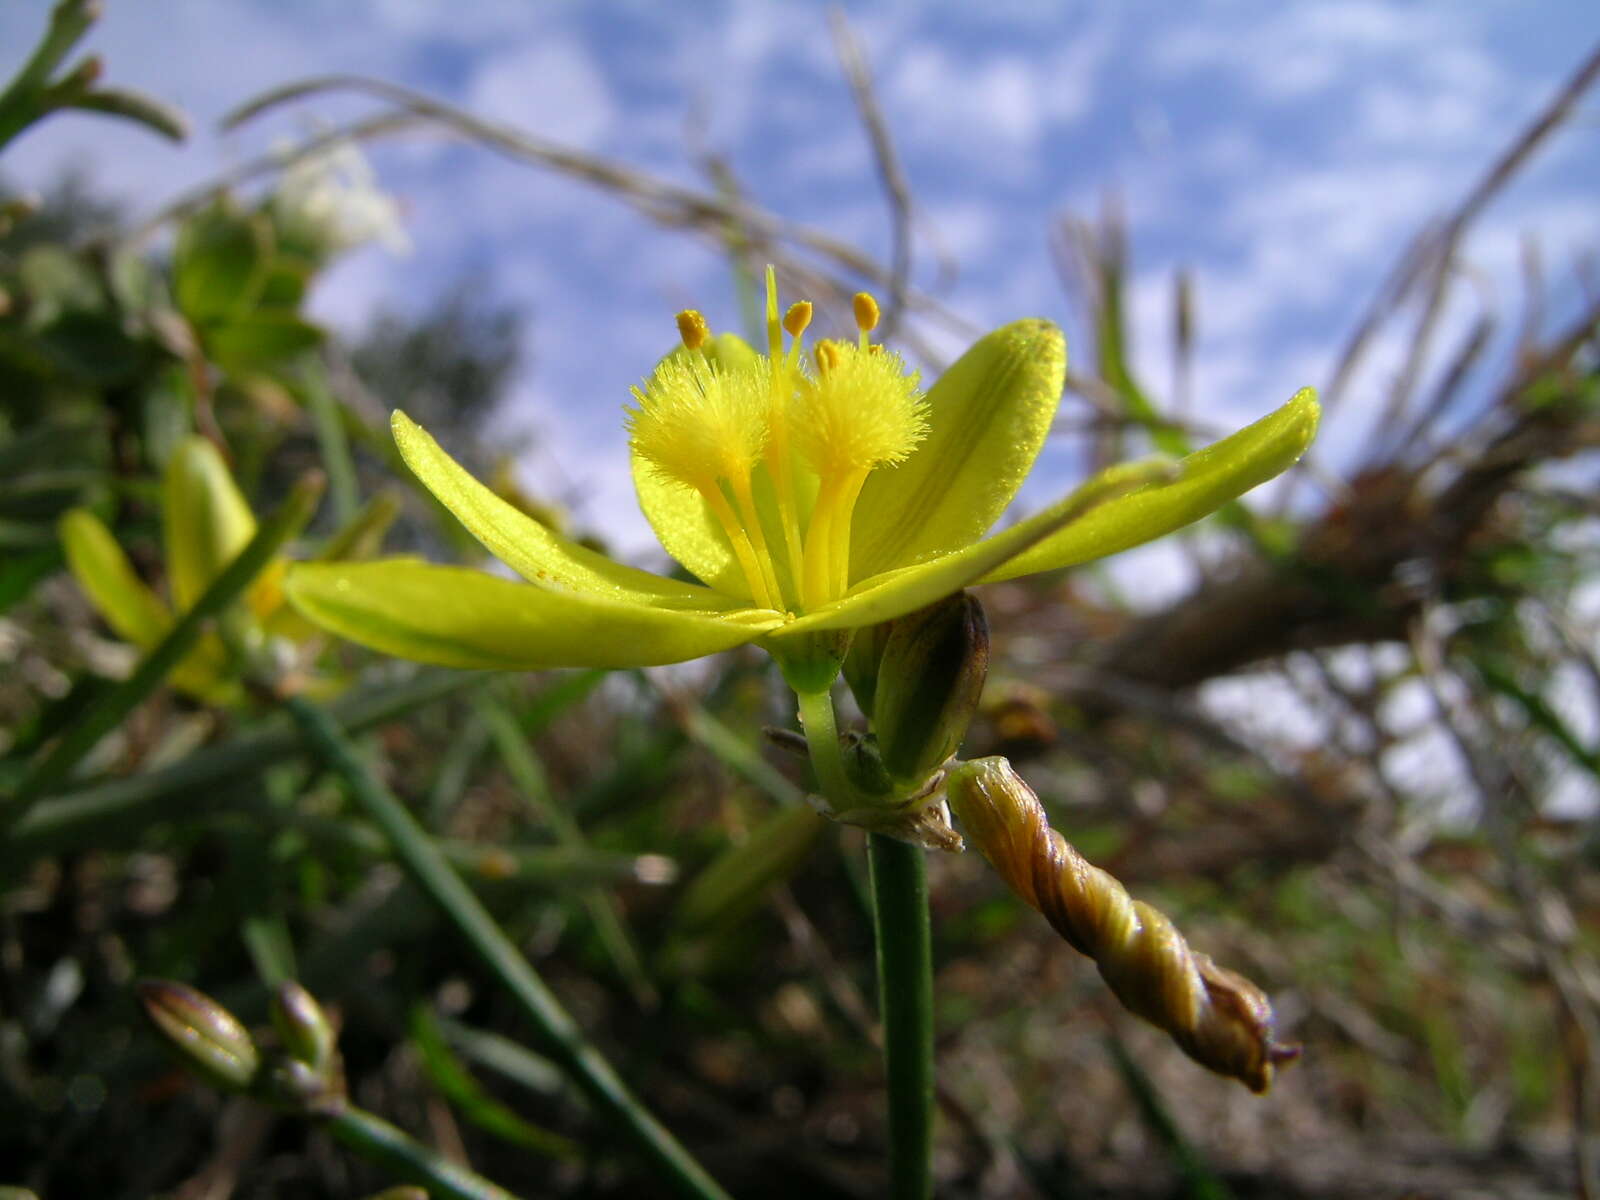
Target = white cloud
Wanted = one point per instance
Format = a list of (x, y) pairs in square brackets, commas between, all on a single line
[(548, 86)]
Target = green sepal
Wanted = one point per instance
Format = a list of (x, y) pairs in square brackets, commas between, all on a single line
[(457, 617)]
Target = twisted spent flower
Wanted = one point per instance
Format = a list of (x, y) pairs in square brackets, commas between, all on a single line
[(1220, 1019)]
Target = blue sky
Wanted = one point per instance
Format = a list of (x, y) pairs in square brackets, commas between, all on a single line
[(1280, 151)]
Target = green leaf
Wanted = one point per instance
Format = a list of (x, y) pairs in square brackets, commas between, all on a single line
[(462, 618), (57, 281), (206, 520), (733, 883), (988, 417), (19, 572), (287, 278), (92, 347), (260, 339), (167, 407), (540, 555), (1206, 480), (219, 262), (453, 1079)]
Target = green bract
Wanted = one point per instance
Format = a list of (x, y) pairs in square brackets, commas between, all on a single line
[(800, 504)]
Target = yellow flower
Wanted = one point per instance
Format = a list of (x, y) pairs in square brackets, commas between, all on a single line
[(205, 523), (810, 493)]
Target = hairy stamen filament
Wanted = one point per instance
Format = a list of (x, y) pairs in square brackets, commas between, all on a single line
[(827, 555), (744, 495), (777, 457), (764, 593)]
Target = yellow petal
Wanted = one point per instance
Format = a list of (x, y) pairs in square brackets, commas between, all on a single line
[(205, 519), (463, 618), (133, 611), (1111, 512), (894, 593), (687, 530), (534, 551), (1206, 480), (107, 577), (987, 418)]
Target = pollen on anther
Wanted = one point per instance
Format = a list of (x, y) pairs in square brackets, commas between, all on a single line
[(797, 318), (696, 424), (692, 328), (862, 410), (865, 309)]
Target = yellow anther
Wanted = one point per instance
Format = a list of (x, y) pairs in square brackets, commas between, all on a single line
[(866, 312), (828, 356), (797, 318), (692, 328)]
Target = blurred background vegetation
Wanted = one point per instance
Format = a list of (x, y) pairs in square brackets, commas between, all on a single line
[(647, 846)]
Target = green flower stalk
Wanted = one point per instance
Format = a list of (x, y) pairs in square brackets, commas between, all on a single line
[(812, 494)]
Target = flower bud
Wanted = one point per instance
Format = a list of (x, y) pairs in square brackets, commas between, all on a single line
[(300, 1022), (861, 664), (930, 678), (205, 1034)]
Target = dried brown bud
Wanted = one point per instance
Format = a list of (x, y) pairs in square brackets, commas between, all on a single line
[(1219, 1018)]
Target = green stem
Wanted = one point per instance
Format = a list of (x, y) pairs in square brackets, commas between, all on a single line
[(374, 1138), (115, 812), (428, 868), (327, 421), (122, 699), (905, 999), (528, 773), (905, 964), (19, 103), (822, 738)]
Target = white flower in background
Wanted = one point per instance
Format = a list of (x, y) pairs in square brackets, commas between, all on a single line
[(330, 199)]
